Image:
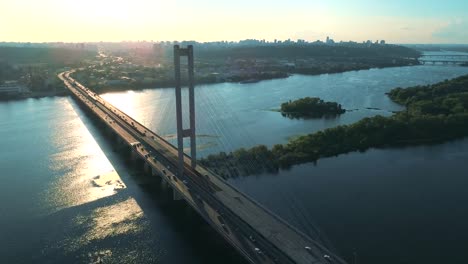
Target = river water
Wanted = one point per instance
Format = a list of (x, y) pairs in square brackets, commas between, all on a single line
[(67, 196)]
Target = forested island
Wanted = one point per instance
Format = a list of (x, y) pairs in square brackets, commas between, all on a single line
[(434, 114), (311, 107)]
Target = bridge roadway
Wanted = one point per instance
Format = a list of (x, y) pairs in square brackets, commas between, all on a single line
[(258, 234), (426, 61), (448, 56), (444, 59)]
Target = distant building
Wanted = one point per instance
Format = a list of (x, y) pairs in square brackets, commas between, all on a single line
[(382, 42)]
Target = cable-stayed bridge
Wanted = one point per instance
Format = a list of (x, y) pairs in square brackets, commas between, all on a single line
[(254, 231)]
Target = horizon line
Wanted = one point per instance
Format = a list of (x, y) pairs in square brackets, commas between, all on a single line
[(217, 41)]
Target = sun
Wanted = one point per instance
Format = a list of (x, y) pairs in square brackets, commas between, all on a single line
[(109, 11)]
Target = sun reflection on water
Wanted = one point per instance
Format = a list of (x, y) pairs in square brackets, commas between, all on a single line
[(110, 221), (98, 231), (126, 102), (153, 108), (87, 201), (83, 172)]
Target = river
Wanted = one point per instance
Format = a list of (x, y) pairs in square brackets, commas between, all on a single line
[(382, 206)]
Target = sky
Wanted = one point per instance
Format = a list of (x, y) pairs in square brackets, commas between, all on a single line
[(396, 21)]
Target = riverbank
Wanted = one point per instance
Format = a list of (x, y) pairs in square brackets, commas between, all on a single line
[(169, 83), (242, 79), (435, 113), (355, 65), (244, 66), (35, 95)]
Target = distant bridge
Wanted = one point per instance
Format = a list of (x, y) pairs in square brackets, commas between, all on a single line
[(444, 59), (255, 232)]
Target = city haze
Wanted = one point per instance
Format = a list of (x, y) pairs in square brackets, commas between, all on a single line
[(77, 21)]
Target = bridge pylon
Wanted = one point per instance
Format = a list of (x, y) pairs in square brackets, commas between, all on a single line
[(181, 132)]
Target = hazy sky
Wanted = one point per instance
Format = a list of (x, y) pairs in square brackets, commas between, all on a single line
[(397, 21)]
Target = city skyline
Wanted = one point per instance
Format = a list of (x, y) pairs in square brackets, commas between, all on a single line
[(90, 21)]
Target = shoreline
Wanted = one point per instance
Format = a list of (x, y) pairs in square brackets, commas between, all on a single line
[(247, 81), (35, 95)]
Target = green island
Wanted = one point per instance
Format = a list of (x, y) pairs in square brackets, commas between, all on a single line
[(434, 114), (311, 107)]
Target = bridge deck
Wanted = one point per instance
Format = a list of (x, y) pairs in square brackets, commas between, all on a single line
[(251, 225)]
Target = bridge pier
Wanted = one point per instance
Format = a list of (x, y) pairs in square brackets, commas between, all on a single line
[(133, 155), (155, 172), (147, 168), (176, 195), (165, 185), (120, 145), (108, 131), (181, 132), (120, 141)]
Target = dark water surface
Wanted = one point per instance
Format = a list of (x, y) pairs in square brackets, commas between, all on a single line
[(387, 206)]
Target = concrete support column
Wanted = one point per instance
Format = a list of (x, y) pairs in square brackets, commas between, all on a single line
[(181, 132), (155, 172), (120, 141), (133, 155), (147, 168), (165, 184), (191, 78), (177, 196)]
